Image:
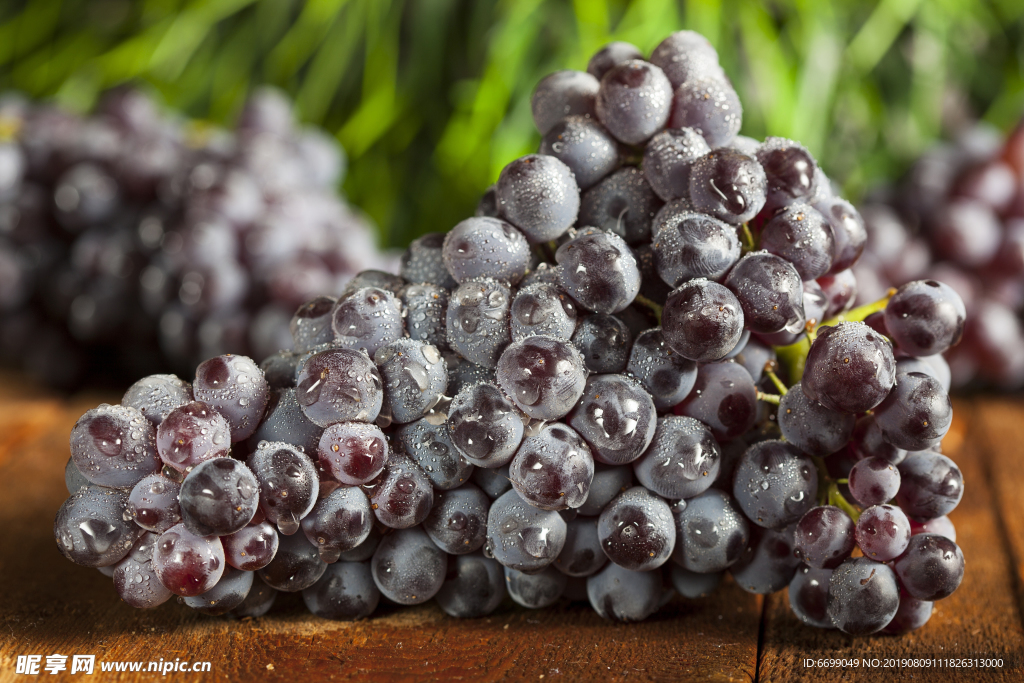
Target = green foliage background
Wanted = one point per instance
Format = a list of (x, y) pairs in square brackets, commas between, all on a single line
[(431, 97)]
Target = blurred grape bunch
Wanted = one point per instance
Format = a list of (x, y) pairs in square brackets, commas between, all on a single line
[(132, 240), (958, 216), (431, 98)]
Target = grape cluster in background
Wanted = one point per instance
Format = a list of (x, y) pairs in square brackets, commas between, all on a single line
[(132, 241), (635, 371), (958, 216)]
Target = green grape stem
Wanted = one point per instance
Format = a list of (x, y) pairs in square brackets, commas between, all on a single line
[(747, 239), (647, 303), (769, 369), (828, 490), (774, 399)]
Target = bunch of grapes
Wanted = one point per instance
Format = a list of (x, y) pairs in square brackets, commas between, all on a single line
[(958, 216), (136, 242), (580, 392)]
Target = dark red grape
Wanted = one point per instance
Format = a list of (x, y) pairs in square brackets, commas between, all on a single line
[(850, 368), (931, 568), (728, 185), (634, 100), (724, 398), (702, 321)]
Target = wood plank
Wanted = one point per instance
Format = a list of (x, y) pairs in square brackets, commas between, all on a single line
[(52, 606), (1002, 426), (977, 619)]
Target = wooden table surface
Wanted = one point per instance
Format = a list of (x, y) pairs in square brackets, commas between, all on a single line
[(48, 605)]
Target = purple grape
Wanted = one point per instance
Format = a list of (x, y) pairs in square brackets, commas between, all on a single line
[(114, 446), (367, 319), (768, 564), (543, 308), (599, 271), (218, 497), (667, 160), (874, 481), (931, 568), (473, 587), (535, 591), (457, 522), (770, 292), (616, 418), (352, 453), (425, 307), (916, 414), (634, 101), (912, 615), (561, 94), (339, 521), (401, 496), (374, 279), (538, 194), (724, 398), (345, 592), (637, 530), (702, 320), (967, 232), (667, 376), (711, 532), (802, 236), (925, 318), (840, 290), (867, 442), (753, 357), (251, 547), (415, 378), (157, 395), (604, 341), (230, 592), (279, 369), (235, 387), (686, 55), (808, 596), (883, 532), (478, 321), (153, 503), (824, 537), (430, 445), (339, 385), (850, 368), (92, 527), (863, 596), (285, 421), (581, 555), (408, 568), (311, 324), (727, 185), (486, 247), (931, 485), (188, 564), (690, 245), (296, 565), (423, 261), (135, 578), (484, 426), (582, 144), (790, 170), (848, 232), (619, 594), (288, 484), (521, 536), (610, 56), (623, 204), (934, 366), (543, 375), (693, 585), (940, 525), (258, 602), (810, 426), (775, 484), (552, 470), (710, 106), (682, 461), (494, 481)]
